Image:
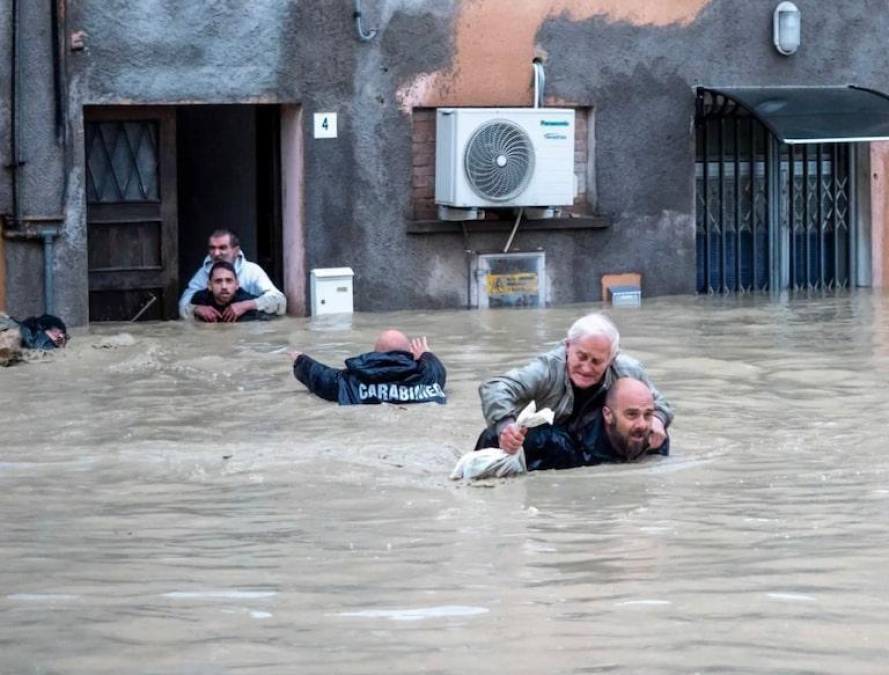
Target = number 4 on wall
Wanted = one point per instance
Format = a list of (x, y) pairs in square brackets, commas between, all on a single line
[(325, 125)]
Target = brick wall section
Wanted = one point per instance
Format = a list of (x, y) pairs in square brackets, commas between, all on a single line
[(581, 155), (423, 162)]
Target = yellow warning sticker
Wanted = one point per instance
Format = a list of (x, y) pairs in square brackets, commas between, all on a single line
[(505, 284)]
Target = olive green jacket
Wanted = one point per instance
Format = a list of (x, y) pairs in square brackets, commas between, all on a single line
[(545, 381)]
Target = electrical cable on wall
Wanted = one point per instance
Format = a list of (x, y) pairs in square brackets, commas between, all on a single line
[(364, 36)]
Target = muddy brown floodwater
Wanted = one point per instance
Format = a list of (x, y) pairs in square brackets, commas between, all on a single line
[(174, 501)]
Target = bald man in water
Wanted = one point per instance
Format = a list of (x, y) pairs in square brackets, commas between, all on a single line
[(398, 370), (620, 432)]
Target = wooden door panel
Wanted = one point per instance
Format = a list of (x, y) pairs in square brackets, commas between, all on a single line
[(118, 247), (110, 305), (131, 211)]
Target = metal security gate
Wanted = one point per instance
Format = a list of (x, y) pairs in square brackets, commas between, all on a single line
[(816, 189), (732, 191), (769, 215)]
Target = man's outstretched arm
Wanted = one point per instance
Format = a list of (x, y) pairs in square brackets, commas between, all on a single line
[(321, 380)]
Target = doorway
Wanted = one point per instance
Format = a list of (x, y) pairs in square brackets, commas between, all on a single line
[(160, 179), (229, 177)]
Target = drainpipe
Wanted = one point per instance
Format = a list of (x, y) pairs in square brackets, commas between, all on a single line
[(539, 82), (2, 268), (44, 229), (15, 159), (48, 236), (15, 163), (58, 16)]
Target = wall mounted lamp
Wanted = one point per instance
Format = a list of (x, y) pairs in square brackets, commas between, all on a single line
[(786, 28)]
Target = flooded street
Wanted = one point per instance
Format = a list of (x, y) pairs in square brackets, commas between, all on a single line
[(175, 501)]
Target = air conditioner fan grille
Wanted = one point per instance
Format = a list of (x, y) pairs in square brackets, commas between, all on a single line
[(499, 160)]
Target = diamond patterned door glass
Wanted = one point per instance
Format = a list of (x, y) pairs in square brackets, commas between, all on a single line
[(122, 162)]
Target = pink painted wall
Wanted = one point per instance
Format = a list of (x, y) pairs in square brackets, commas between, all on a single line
[(879, 199), (496, 69)]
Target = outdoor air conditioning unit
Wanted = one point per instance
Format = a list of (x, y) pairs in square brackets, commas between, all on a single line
[(504, 157)]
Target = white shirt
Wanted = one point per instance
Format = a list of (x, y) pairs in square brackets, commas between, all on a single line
[(251, 278)]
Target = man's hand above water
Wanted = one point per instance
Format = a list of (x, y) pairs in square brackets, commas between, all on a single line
[(658, 433), (511, 438), (237, 309), (207, 313), (419, 346)]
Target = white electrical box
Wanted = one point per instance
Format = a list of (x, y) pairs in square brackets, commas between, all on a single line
[(331, 290)]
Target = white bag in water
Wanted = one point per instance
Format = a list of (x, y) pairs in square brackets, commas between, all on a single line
[(497, 463)]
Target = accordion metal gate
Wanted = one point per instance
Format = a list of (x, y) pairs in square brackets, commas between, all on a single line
[(770, 215)]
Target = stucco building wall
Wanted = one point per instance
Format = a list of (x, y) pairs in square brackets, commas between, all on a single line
[(634, 63)]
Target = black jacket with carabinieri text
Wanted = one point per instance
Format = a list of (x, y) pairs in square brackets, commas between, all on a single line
[(376, 377)]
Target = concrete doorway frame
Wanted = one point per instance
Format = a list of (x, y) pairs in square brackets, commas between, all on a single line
[(292, 209)]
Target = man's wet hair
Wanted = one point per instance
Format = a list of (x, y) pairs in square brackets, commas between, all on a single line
[(596, 324), (45, 322), (222, 264), (232, 237)]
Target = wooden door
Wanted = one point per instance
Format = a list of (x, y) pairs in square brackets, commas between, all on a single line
[(131, 212)]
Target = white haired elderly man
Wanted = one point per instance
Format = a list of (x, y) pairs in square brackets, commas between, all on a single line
[(573, 379)]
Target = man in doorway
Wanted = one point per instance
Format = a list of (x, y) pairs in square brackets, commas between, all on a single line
[(217, 302), (224, 246), (573, 380), (398, 370)]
